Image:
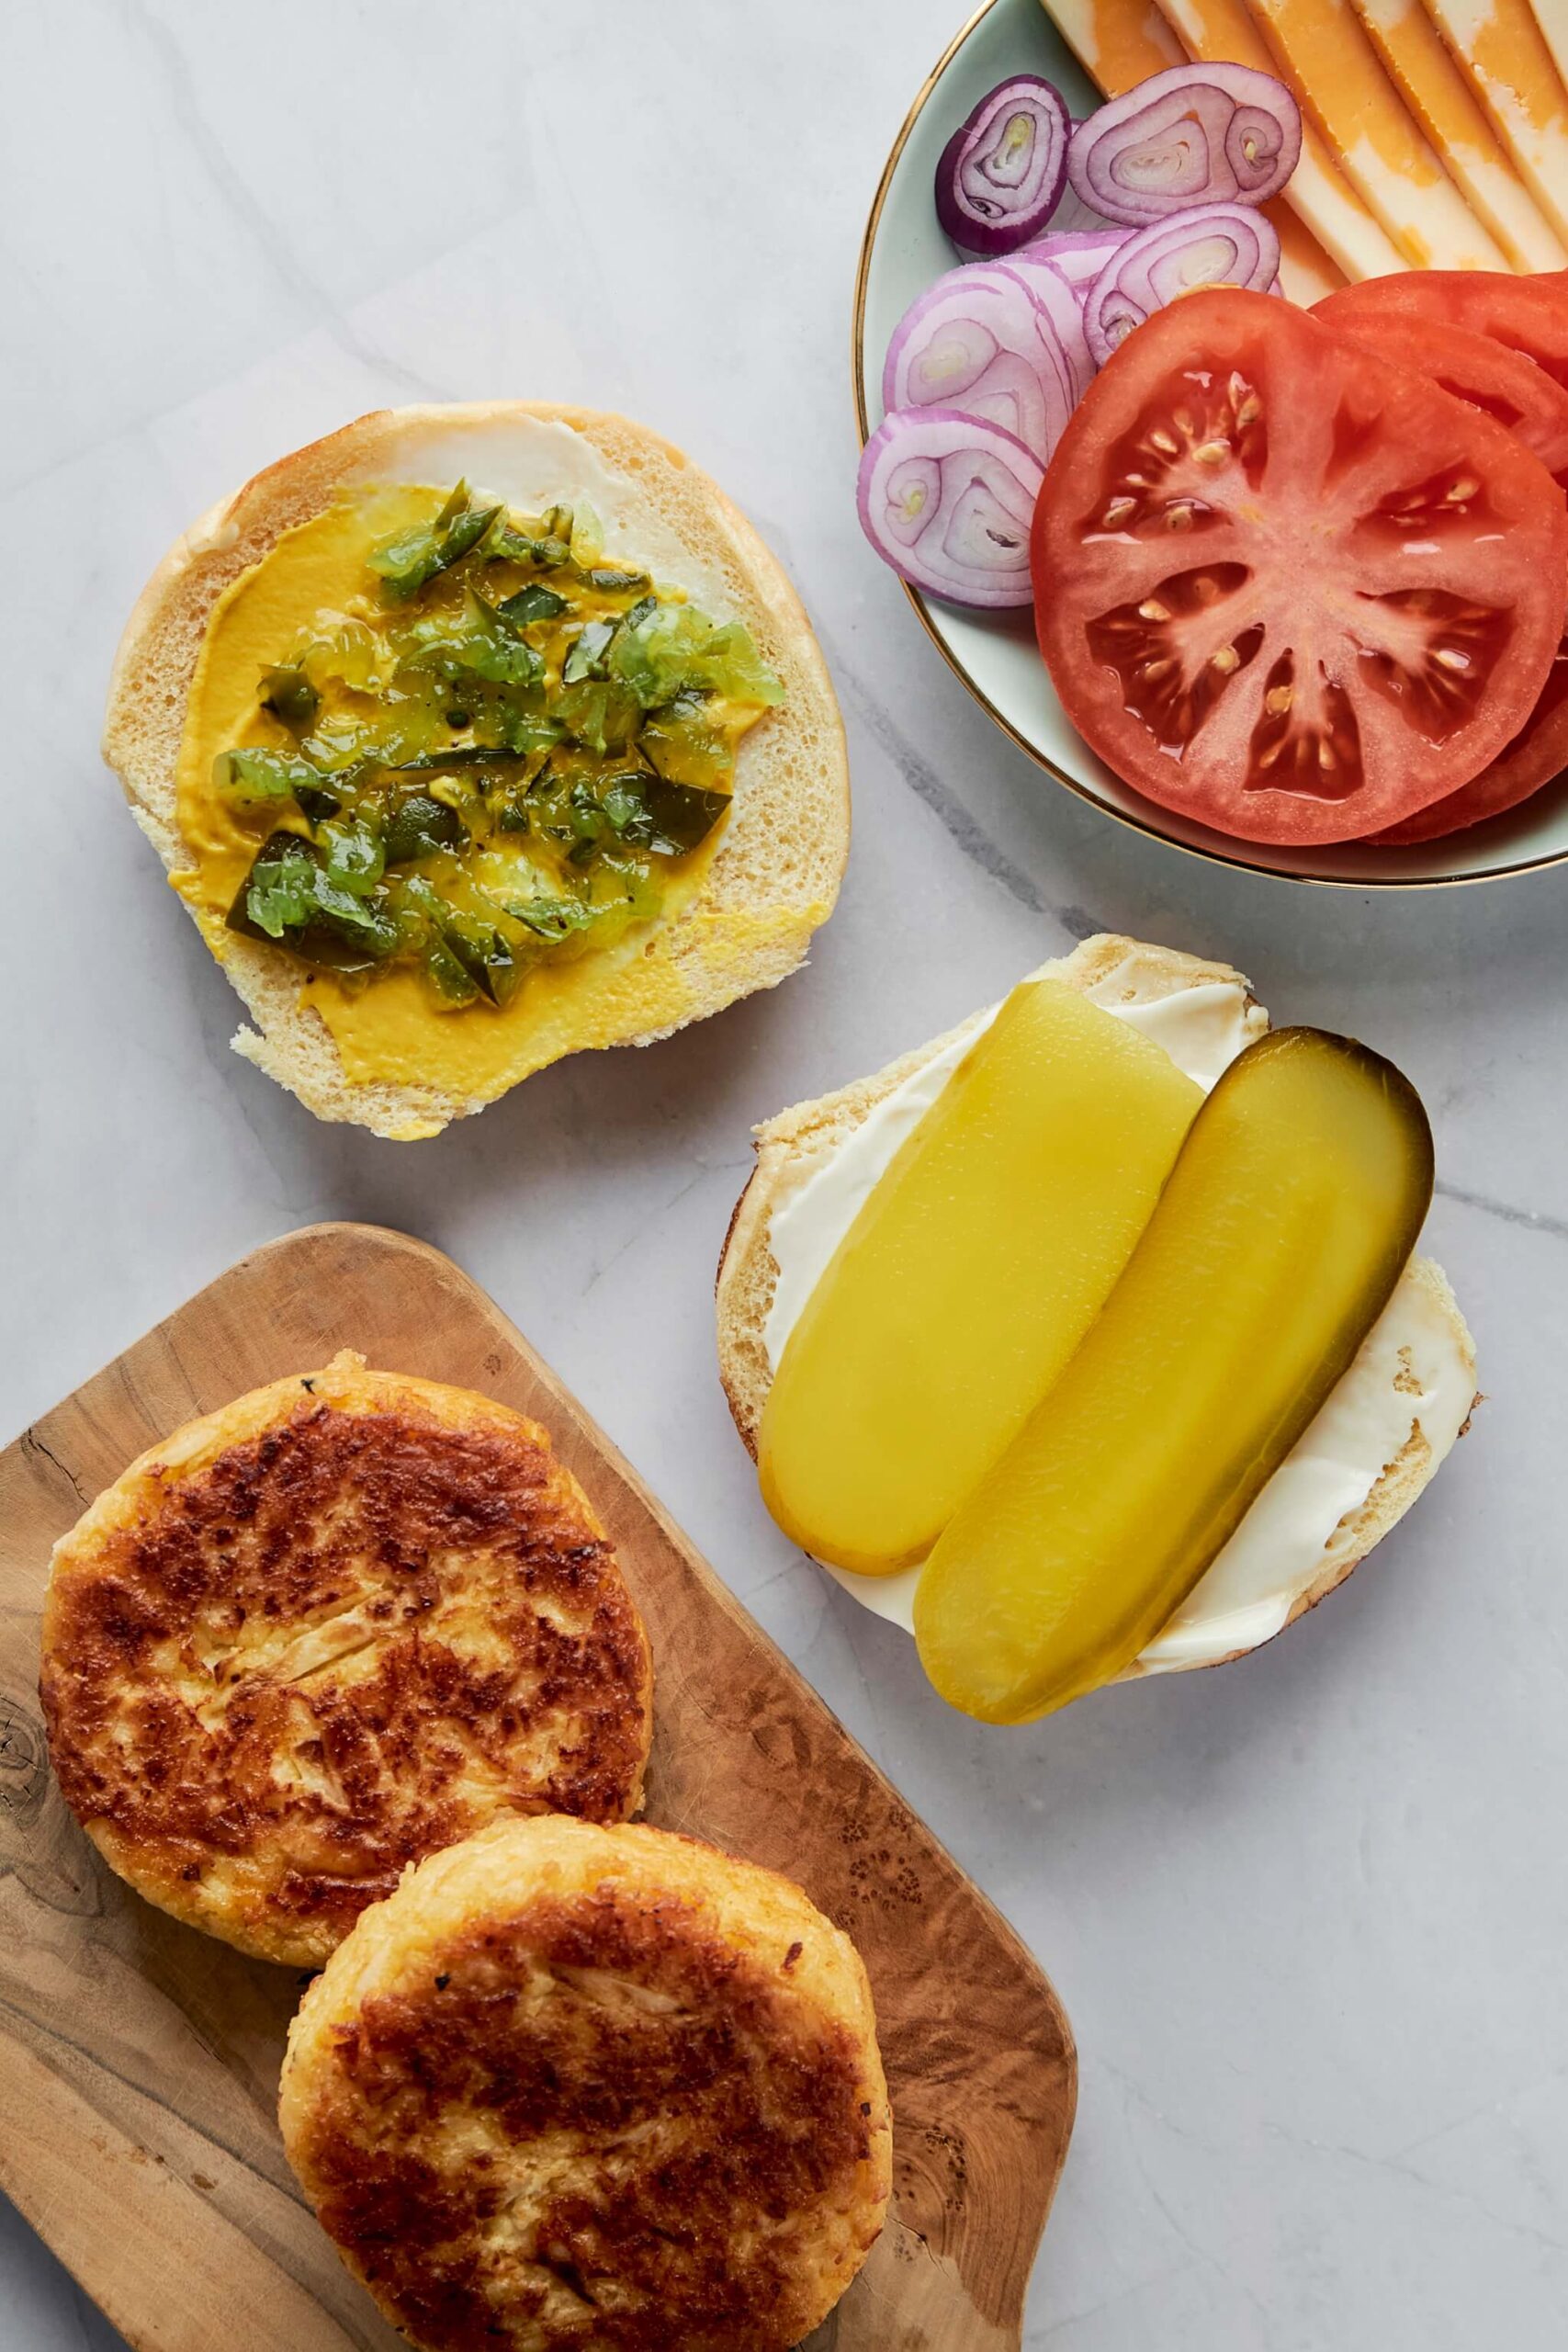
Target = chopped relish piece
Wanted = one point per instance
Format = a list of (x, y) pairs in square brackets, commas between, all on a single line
[(256, 776), (533, 603), (288, 693), (421, 827), (405, 563)]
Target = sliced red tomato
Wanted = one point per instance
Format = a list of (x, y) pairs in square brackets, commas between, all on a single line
[(1525, 314), (1290, 591), (1492, 371), (1488, 374), (1538, 754)]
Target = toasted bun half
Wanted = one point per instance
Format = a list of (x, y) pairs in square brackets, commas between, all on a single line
[(748, 1272), (776, 871)]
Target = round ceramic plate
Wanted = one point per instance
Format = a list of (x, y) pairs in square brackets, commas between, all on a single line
[(994, 653)]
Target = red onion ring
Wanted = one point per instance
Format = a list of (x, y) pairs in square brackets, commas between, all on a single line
[(948, 501), (980, 340), (1002, 170), (1078, 255), (1215, 244), (1060, 320), (1195, 134)]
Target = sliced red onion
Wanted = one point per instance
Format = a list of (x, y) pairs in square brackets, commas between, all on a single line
[(948, 499), (1215, 244), (1002, 170), (1075, 254), (1060, 320), (1074, 215), (1195, 134), (979, 339)]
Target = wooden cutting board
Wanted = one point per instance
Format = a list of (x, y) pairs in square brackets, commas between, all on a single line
[(139, 2060)]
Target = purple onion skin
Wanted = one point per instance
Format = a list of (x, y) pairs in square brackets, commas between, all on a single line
[(989, 199), (1194, 134), (1224, 245), (947, 501)]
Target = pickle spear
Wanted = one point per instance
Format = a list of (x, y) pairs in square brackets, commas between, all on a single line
[(1294, 1204), (968, 1277)]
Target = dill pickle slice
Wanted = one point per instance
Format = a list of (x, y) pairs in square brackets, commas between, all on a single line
[(1294, 1204), (970, 1275)]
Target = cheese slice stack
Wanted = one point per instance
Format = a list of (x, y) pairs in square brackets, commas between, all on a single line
[(1440, 97), (1502, 48), (1214, 31), (1322, 53)]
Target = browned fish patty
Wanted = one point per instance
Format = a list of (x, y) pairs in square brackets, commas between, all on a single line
[(341, 1622), (575, 2089)]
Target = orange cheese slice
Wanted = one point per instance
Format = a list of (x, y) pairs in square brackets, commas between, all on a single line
[(1552, 18), (1501, 46), (1214, 30), (1121, 42), (1117, 42), (1440, 98), (1321, 51)]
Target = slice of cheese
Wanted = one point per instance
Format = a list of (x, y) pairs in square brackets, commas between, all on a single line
[(1440, 97), (1552, 18), (1322, 53), (1117, 42), (1501, 48), (1121, 43), (1215, 30)]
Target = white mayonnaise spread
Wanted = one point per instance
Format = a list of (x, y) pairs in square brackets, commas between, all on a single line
[(1410, 1369), (532, 463)]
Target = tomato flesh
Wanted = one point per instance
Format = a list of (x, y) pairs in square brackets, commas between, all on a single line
[(1285, 589), (1538, 754), (1528, 315), (1502, 348), (1502, 382)]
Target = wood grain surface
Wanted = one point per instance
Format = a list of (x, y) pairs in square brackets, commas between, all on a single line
[(139, 2060)]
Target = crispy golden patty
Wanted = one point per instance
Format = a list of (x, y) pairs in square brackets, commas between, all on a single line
[(574, 2089), (344, 1622)]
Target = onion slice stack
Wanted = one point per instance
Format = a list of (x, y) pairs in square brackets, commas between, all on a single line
[(984, 340), (948, 499), (1212, 244), (1002, 170), (986, 367), (1194, 135)]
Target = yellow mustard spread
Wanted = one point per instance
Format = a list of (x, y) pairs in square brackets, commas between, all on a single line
[(462, 769)]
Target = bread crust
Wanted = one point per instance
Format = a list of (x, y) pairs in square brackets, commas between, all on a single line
[(778, 864), (747, 1270), (592, 2090), (339, 1623)]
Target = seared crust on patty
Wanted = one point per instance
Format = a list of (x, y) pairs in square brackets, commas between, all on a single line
[(341, 1622), (574, 2089)]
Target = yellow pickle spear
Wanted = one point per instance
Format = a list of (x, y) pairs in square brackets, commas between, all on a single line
[(1294, 1204), (968, 1277)]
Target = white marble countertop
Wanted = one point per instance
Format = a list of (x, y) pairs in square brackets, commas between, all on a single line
[(1308, 1913)]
